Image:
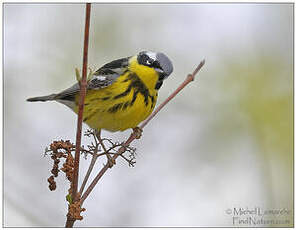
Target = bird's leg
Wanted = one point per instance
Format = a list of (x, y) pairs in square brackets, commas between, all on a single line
[(110, 160), (138, 132)]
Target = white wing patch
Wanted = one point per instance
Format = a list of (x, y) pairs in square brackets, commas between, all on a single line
[(99, 78), (100, 81)]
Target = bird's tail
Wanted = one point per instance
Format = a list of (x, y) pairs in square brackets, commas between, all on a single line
[(43, 98)]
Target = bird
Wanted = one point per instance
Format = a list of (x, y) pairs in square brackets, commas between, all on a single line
[(120, 94)]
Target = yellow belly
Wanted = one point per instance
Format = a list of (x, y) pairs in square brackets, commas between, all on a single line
[(102, 111), (121, 120)]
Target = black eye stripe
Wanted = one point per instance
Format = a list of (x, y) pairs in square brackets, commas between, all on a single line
[(156, 64), (142, 59), (159, 61)]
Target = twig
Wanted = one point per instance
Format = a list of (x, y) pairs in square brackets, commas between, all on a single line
[(83, 83), (132, 137), (190, 78), (90, 168), (105, 168)]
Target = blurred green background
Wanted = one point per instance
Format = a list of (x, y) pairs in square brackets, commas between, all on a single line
[(224, 143)]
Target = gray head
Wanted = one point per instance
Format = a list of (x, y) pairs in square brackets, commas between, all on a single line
[(159, 61)]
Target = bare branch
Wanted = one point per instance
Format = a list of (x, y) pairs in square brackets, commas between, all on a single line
[(190, 77), (90, 168), (132, 137)]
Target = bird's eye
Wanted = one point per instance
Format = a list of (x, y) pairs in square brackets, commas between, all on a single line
[(156, 64), (149, 62)]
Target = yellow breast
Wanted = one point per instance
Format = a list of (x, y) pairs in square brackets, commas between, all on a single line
[(125, 103)]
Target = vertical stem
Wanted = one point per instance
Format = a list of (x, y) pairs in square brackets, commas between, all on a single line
[(74, 185), (81, 103)]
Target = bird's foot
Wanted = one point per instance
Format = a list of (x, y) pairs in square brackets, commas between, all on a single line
[(138, 132)]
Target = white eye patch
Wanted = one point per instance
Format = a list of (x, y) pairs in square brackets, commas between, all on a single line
[(151, 55)]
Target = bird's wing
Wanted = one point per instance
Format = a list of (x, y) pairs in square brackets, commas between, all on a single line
[(108, 73), (102, 78)]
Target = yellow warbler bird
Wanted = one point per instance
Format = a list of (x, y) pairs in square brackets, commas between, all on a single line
[(120, 94)]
